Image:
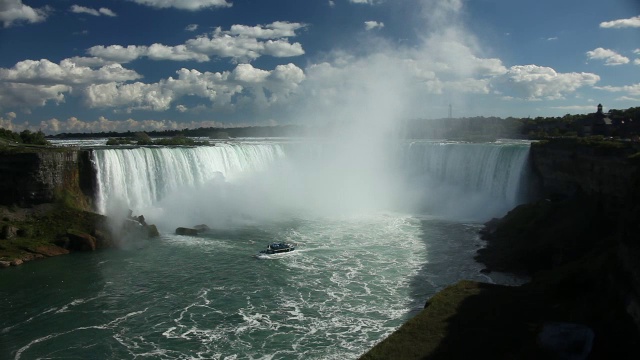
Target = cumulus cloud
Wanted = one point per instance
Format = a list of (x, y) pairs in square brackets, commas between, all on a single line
[(219, 88), (534, 82), (275, 30), (45, 72), (370, 25), (35, 83), (14, 11), (6, 121), (85, 10), (191, 5), (191, 27), (21, 95), (631, 90), (633, 22), (241, 43), (610, 57)]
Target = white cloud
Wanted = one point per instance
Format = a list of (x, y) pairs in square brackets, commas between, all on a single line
[(45, 72), (241, 48), (192, 5), (219, 88), (14, 11), (21, 95), (633, 22), (32, 83), (370, 25), (85, 10), (534, 82), (6, 121), (90, 61), (107, 12), (632, 90), (239, 43), (368, 2), (117, 53), (191, 27), (175, 53), (121, 54), (636, 62), (275, 30), (611, 57), (332, 3), (552, 38)]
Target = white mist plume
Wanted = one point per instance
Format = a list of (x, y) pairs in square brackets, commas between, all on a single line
[(350, 168)]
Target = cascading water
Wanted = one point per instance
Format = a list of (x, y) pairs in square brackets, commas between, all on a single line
[(466, 180), (144, 175), (440, 178)]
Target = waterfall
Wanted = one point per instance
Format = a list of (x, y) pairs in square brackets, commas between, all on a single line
[(490, 176), (459, 180), (143, 176)]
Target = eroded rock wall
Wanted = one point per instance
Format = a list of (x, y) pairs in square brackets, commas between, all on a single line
[(37, 176), (568, 167)]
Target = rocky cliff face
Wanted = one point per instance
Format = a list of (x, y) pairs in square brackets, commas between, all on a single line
[(604, 170), (607, 174), (36, 176)]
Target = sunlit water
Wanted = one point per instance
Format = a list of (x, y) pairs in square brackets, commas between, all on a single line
[(353, 280)]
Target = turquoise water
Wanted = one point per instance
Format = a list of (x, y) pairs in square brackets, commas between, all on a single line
[(362, 266), (351, 282)]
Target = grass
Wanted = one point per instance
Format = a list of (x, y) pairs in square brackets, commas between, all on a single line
[(41, 227)]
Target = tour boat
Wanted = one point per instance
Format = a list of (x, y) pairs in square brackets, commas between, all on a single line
[(278, 247)]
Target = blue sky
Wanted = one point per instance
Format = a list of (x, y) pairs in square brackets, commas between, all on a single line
[(81, 66)]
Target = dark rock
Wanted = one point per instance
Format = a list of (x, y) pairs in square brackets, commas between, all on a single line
[(186, 231), (566, 340), (104, 239), (4, 264), (16, 262), (489, 227), (63, 242), (202, 228), (153, 231), (51, 250), (79, 241), (9, 232)]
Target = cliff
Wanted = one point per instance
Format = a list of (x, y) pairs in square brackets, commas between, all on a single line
[(602, 169), (37, 175)]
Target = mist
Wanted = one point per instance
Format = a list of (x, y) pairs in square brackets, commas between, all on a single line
[(364, 94)]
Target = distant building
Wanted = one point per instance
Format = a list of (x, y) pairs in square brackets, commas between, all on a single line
[(597, 123)]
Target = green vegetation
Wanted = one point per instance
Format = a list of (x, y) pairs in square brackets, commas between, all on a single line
[(179, 140), (35, 231), (119, 141), (25, 137), (142, 138)]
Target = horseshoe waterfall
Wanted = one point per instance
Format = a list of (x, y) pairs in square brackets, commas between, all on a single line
[(378, 229)]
